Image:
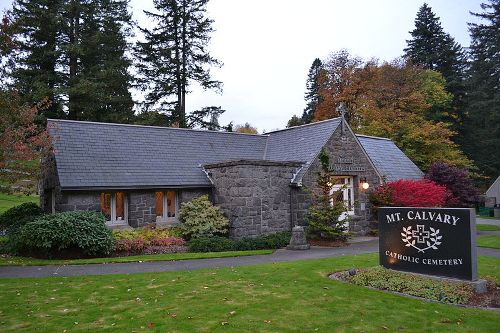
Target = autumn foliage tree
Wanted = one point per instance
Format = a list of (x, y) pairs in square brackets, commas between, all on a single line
[(461, 189), (22, 141), (395, 100)]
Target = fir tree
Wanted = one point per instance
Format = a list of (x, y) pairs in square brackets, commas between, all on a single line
[(482, 135), (432, 48), (98, 82), (312, 97), (36, 55), (73, 52), (174, 55)]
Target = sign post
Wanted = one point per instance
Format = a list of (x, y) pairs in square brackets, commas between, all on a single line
[(433, 241)]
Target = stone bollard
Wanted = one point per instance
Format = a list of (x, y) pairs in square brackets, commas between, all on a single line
[(298, 240)]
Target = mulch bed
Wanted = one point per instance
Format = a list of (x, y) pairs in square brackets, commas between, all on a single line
[(489, 299), (327, 243)]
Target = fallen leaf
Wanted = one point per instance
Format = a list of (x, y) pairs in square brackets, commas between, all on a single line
[(232, 313), (385, 327), (445, 321), (223, 323), (150, 324), (173, 315)]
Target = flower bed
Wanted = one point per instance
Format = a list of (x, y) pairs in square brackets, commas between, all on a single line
[(419, 286), (147, 240)]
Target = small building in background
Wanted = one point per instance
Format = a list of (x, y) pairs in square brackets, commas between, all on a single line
[(493, 194)]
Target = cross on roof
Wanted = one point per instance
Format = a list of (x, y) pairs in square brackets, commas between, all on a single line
[(420, 234)]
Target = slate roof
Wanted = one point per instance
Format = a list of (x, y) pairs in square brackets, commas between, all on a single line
[(126, 156), (103, 155), (389, 160), (300, 143)]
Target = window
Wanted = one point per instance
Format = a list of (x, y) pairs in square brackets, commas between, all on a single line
[(166, 204), (113, 206)]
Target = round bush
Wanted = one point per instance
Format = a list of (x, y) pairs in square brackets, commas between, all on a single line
[(61, 233), (200, 218), (18, 216)]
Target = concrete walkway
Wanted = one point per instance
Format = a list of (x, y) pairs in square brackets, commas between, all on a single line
[(367, 245), (487, 221), (358, 246)]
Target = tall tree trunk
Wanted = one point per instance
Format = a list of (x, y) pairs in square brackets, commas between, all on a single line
[(73, 59), (182, 105)]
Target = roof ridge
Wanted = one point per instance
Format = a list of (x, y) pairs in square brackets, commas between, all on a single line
[(300, 126), (373, 137), (149, 126)]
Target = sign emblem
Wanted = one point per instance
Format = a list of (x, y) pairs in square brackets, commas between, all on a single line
[(421, 239)]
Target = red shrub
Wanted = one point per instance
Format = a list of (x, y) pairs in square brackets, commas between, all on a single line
[(135, 245), (168, 241), (410, 193)]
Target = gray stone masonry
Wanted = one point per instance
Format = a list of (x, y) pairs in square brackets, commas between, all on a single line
[(254, 195), (141, 208), (345, 149), (141, 203)]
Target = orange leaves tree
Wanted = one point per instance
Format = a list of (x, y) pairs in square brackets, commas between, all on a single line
[(395, 100), (22, 141)]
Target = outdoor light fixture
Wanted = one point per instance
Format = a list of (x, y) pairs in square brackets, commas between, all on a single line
[(364, 183)]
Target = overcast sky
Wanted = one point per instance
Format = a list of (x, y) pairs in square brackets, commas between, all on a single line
[(267, 46)]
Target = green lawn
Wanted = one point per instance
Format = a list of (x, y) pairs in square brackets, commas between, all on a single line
[(282, 297), (488, 227), (492, 241), (8, 201), (23, 261)]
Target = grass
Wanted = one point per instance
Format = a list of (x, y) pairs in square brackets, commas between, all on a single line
[(23, 261), (492, 241), (8, 200), (487, 227), (281, 297)]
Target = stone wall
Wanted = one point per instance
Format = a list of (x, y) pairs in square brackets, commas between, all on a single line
[(78, 200), (48, 182), (342, 146), (141, 208), (141, 203), (254, 195)]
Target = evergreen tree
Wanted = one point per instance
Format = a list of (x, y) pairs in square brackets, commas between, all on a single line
[(36, 53), (432, 48), (294, 121), (73, 52), (98, 82), (174, 55), (312, 97), (482, 135)]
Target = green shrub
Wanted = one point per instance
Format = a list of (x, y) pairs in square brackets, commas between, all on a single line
[(220, 244), (84, 233), (200, 218), (211, 244), (18, 216)]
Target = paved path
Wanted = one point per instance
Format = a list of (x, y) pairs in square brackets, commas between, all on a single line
[(359, 246), (366, 246), (487, 221)]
